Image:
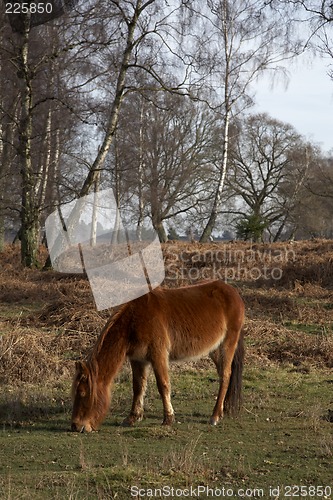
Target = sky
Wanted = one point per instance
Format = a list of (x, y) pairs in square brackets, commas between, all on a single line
[(305, 100)]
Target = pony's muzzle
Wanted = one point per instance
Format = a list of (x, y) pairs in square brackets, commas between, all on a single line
[(77, 428)]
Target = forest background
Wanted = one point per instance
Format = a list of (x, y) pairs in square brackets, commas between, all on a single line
[(153, 98)]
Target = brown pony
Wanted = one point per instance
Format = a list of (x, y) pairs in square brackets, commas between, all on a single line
[(161, 326)]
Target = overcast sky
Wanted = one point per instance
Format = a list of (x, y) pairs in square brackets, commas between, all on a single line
[(306, 102)]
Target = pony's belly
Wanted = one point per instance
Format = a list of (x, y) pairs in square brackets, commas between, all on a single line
[(194, 352)]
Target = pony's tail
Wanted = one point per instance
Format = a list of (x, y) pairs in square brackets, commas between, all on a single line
[(233, 399)]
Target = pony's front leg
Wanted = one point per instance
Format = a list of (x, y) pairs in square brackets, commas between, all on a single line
[(140, 371), (161, 370)]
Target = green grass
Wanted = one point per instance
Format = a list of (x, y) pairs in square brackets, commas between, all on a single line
[(312, 329), (281, 438)]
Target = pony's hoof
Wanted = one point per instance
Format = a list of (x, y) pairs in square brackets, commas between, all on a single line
[(128, 422), (131, 420), (169, 420), (213, 421)]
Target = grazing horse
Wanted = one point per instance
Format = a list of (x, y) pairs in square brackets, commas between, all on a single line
[(164, 325)]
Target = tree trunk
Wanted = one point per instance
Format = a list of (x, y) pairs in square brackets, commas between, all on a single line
[(116, 234), (29, 214), (43, 174), (55, 193), (207, 232), (280, 229), (159, 228), (6, 157), (7, 132), (93, 234), (116, 105), (156, 204), (140, 177)]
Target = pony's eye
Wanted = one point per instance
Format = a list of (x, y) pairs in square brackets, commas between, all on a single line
[(82, 390)]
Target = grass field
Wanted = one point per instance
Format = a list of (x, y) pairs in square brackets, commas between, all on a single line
[(282, 440)]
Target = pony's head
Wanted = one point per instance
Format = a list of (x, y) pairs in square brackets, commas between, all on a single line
[(84, 394)]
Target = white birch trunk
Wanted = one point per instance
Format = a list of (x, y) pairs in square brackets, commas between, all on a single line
[(140, 178)]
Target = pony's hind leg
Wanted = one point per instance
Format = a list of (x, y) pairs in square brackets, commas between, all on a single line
[(140, 372), (223, 357), (161, 370)]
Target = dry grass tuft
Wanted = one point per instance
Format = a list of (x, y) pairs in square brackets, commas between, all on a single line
[(73, 317), (29, 356), (277, 343), (289, 320)]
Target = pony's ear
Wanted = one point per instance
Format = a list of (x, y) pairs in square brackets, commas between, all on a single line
[(82, 369), (79, 366)]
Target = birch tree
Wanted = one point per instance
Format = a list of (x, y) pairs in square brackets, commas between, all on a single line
[(245, 42), (29, 236), (24, 50), (116, 43), (129, 18)]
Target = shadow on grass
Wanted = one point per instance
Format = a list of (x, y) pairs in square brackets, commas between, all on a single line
[(16, 415)]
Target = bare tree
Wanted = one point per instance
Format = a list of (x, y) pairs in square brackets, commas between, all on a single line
[(9, 105), (243, 42), (319, 12), (172, 141), (269, 164), (311, 216), (315, 20)]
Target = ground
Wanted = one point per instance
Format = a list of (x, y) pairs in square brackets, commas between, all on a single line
[(281, 441)]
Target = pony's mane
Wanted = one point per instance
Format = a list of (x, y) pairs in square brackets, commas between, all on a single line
[(100, 400), (97, 347), (91, 383)]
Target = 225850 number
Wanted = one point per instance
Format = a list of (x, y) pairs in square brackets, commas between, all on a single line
[(308, 491), (25, 8)]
